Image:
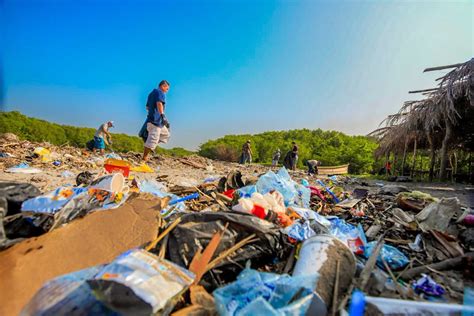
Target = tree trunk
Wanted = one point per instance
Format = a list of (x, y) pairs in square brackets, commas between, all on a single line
[(414, 159), (432, 157), (444, 150)]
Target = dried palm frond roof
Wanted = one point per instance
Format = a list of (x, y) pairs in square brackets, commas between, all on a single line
[(429, 114)]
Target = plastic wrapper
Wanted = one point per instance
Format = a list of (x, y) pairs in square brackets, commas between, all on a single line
[(67, 295), (52, 201), (261, 293), (428, 286), (395, 258), (140, 283)]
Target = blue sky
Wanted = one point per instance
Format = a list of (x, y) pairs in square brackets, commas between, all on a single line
[(234, 66)]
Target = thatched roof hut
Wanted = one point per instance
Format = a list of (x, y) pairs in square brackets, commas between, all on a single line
[(443, 120)]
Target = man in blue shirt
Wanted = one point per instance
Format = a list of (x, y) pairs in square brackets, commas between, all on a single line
[(157, 125)]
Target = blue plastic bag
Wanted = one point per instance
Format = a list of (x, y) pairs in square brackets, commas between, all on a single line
[(395, 258), (311, 215), (299, 231), (293, 193), (352, 235), (158, 189), (261, 293), (247, 191)]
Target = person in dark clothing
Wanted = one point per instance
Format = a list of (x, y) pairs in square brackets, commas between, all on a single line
[(246, 153), (156, 127), (294, 156), (287, 160)]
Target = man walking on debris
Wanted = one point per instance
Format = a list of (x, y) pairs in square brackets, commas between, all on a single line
[(313, 166), (156, 127), (102, 137), (246, 153), (276, 157)]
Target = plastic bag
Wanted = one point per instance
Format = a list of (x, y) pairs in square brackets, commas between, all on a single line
[(350, 234), (23, 168), (196, 230), (293, 193), (261, 293), (139, 283), (299, 231), (247, 191), (159, 189), (395, 258), (44, 153), (16, 194)]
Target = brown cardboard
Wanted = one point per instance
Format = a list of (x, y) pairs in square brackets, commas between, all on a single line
[(96, 239)]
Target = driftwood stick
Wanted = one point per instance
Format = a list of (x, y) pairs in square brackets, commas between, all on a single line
[(439, 266)]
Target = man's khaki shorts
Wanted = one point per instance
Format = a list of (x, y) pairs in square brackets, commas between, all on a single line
[(156, 135)]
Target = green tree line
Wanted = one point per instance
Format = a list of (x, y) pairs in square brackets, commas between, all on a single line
[(329, 147), (37, 130)]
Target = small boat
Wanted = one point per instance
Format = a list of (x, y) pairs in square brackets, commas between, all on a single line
[(330, 170)]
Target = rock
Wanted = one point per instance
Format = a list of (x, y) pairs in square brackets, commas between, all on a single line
[(467, 238)]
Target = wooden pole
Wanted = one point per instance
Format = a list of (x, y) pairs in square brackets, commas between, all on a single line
[(444, 149), (404, 156), (424, 90), (432, 156), (414, 159), (470, 168), (443, 67), (395, 160)]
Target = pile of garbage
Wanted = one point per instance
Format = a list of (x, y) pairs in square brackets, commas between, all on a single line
[(114, 243)]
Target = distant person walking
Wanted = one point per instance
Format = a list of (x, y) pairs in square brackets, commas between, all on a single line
[(276, 157), (294, 156), (102, 137), (246, 153), (313, 166), (156, 127)]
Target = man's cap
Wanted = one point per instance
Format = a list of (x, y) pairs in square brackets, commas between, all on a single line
[(111, 123), (248, 141)]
